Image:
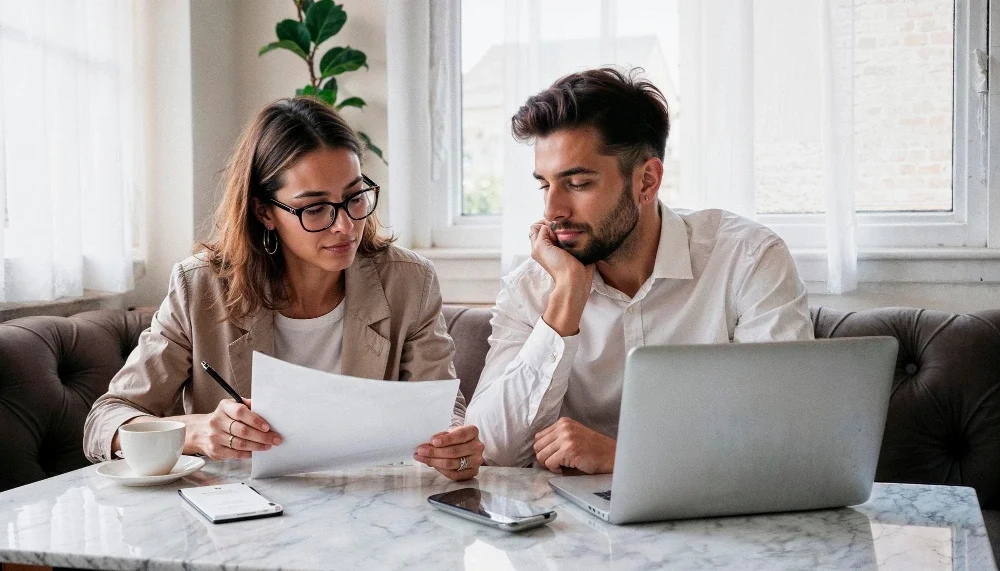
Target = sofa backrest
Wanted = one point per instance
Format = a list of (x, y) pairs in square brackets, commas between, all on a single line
[(943, 425), (52, 369)]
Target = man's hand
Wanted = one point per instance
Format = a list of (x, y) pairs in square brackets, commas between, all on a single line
[(545, 250), (572, 280), (571, 444)]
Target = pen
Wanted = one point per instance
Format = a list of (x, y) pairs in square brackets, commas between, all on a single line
[(222, 383)]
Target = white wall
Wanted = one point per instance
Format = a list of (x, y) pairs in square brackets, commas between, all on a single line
[(167, 227), (204, 83), (215, 86), (279, 73)]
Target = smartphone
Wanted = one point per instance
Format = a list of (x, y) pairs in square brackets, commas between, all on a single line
[(229, 502), (489, 509)]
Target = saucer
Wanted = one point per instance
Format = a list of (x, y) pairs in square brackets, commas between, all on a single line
[(119, 471)]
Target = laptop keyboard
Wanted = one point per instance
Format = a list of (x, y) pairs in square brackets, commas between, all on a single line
[(606, 495)]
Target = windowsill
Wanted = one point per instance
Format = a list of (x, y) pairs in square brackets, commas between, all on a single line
[(435, 254), (63, 306), (66, 306), (472, 276)]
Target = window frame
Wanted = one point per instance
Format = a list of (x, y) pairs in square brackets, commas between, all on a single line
[(450, 228), (969, 224)]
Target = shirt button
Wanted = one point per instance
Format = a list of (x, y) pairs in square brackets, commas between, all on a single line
[(552, 358), (630, 310)]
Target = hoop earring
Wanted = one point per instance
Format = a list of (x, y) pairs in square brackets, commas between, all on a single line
[(273, 249)]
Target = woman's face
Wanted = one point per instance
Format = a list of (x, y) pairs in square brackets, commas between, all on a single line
[(324, 175)]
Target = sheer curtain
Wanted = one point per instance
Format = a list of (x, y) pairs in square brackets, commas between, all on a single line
[(760, 98), (66, 147)]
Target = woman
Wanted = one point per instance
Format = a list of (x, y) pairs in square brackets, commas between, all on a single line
[(296, 269)]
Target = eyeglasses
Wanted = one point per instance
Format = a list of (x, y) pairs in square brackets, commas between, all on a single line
[(319, 216)]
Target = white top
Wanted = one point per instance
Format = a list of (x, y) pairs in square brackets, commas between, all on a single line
[(717, 278), (316, 343)]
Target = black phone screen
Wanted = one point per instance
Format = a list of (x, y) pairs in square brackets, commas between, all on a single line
[(498, 508)]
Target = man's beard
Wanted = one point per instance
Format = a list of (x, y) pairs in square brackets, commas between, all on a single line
[(612, 231)]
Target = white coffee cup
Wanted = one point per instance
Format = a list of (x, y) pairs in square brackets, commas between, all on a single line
[(152, 448)]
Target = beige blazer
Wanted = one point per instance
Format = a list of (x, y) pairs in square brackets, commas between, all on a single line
[(393, 330)]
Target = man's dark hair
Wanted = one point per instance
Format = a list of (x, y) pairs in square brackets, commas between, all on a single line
[(629, 113)]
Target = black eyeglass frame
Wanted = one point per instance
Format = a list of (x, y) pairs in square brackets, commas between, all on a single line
[(337, 206)]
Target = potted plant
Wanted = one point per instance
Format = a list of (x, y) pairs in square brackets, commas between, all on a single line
[(318, 21)]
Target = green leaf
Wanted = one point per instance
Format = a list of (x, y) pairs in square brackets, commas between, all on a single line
[(324, 19), (331, 85), (307, 90), (338, 60), (327, 96), (295, 31), (305, 4), (371, 146), (286, 44), (352, 102)]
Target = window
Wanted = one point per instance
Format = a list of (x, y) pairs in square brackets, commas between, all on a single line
[(918, 107), (67, 159), (903, 108)]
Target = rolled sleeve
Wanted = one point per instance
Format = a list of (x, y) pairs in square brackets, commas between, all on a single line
[(523, 383), (551, 358)]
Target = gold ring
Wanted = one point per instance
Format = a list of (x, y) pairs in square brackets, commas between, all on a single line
[(231, 427), (463, 463), (231, 441)]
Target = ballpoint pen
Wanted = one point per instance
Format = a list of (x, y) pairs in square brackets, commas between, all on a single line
[(222, 383)]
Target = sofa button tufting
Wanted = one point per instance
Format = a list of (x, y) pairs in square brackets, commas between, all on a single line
[(911, 368)]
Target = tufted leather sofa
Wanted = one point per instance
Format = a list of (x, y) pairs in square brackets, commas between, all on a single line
[(943, 425)]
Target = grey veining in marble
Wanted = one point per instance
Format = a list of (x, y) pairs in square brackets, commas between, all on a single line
[(380, 519)]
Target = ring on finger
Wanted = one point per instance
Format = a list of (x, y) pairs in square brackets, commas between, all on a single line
[(231, 436), (463, 463), (230, 431)]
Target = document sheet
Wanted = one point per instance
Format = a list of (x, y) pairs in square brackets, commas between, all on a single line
[(333, 422)]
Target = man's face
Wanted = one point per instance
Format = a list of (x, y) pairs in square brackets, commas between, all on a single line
[(588, 205)]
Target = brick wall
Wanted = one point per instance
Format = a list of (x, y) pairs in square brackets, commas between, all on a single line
[(903, 101)]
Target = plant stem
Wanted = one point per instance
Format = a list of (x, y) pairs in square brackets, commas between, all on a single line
[(312, 72), (312, 53)]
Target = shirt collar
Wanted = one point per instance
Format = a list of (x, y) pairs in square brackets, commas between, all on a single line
[(673, 253)]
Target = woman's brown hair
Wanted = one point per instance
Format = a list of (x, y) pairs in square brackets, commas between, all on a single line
[(280, 135)]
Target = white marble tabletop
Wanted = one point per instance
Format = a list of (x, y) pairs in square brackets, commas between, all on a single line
[(380, 519)]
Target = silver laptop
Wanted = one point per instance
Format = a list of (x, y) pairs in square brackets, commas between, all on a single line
[(714, 430)]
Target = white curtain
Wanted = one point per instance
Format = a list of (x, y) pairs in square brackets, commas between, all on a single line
[(761, 102), (66, 147)]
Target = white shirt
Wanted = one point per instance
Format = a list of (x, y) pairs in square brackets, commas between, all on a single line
[(717, 278), (316, 343)]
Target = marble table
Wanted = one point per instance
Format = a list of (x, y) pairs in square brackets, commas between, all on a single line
[(379, 519)]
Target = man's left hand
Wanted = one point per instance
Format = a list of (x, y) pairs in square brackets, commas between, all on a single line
[(571, 444)]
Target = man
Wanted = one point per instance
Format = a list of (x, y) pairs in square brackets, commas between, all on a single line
[(612, 268)]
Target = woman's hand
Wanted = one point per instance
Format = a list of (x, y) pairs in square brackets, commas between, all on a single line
[(231, 431), (446, 451)]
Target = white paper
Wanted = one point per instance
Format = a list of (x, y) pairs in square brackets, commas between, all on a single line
[(333, 422)]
